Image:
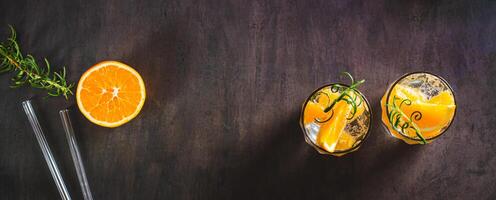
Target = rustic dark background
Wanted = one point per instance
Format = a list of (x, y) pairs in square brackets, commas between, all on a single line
[(225, 83)]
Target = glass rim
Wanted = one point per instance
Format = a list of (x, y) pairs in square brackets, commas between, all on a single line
[(302, 125), (392, 85)]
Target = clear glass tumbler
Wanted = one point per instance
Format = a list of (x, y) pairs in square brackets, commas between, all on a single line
[(418, 107), (335, 119)]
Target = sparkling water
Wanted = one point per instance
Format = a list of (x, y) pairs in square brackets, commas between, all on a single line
[(427, 84)]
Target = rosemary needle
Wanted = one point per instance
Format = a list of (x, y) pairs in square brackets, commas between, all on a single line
[(345, 93), (400, 122), (345, 96), (27, 71)]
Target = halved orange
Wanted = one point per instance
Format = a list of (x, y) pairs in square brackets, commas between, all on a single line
[(110, 93)]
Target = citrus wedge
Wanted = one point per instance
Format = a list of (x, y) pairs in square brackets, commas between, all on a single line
[(110, 93), (331, 131), (436, 113), (315, 110)]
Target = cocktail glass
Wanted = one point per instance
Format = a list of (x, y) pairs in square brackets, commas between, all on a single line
[(418, 107), (332, 126)]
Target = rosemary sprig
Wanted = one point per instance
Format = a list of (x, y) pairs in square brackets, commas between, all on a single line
[(400, 122), (27, 71), (345, 96)]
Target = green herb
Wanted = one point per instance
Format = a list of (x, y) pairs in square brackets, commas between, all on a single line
[(27, 71), (400, 122), (345, 96)]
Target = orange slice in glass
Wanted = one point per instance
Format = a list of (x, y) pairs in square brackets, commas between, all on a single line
[(437, 112), (110, 93), (331, 131)]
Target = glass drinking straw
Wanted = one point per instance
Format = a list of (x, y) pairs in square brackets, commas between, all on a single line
[(76, 156), (45, 149)]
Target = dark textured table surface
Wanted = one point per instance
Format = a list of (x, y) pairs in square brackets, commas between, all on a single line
[(225, 83)]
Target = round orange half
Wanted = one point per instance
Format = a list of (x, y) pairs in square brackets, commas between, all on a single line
[(110, 93)]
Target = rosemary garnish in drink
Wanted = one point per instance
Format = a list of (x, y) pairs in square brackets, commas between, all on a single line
[(400, 122), (345, 96), (27, 71)]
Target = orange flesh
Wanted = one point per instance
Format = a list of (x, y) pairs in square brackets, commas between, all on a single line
[(110, 94), (437, 112), (331, 131)]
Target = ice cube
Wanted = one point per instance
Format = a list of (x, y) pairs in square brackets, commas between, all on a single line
[(416, 83), (359, 126), (312, 131), (429, 90)]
